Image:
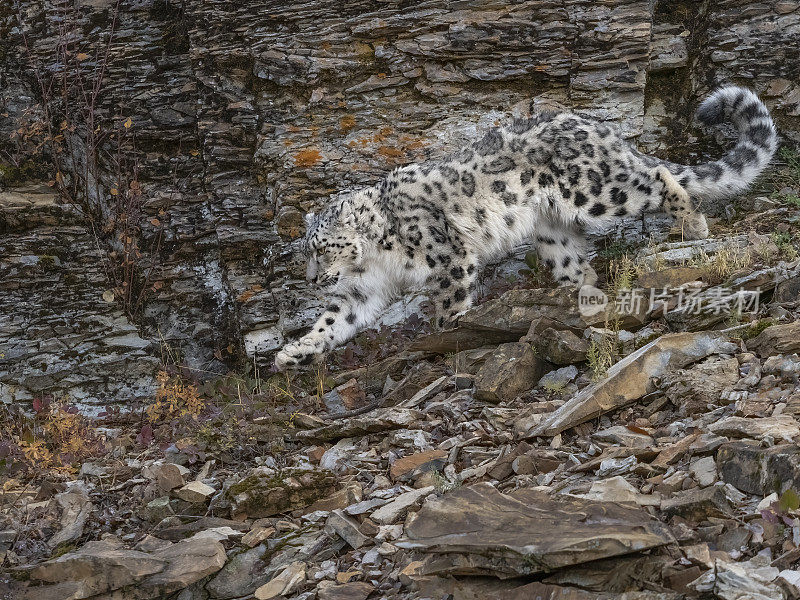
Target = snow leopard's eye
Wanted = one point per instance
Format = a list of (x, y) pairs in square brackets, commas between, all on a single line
[(321, 251)]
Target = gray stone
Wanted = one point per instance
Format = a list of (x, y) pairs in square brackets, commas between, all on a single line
[(698, 504), (348, 495), (99, 567), (284, 583), (560, 347), (346, 528), (187, 561), (195, 492), (777, 339), (780, 427), (241, 575), (704, 470), (512, 369), (167, 476), (158, 509), (694, 389), (356, 590), (379, 420), (105, 567), (619, 435), (559, 378), (788, 290), (399, 506), (756, 470), (75, 509)]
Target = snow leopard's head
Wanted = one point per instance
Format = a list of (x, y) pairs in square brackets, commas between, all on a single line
[(336, 239)]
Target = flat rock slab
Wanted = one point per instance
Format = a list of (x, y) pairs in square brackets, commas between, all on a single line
[(779, 427), (670, 277), (560, 347), (697, 504), (264, 494), (778, 339), (379, 420), (408, 466), (104, 568), (479, 531), (99, 567), (75, 509), (389, 513), (631, 378), (357, 590), (509, 317)]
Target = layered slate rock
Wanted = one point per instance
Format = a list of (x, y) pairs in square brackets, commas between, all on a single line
[(517, 313), (479, 531), (777, 339), (246, 115), (60, 332)]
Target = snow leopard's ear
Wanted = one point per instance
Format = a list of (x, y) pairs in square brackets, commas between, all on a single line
[(345, 211)]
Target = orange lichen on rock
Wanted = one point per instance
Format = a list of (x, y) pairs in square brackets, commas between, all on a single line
[(307, 158), (347, 122), (390, 152), (249, 293), (416, 144)]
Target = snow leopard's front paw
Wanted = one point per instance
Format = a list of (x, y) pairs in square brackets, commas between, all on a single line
[(299, 353)]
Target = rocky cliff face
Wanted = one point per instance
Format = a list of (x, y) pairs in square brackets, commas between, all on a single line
[(246, 115)]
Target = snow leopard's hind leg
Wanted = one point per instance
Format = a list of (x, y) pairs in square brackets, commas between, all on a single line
[(563, 250), (675, 200), (451, 289)]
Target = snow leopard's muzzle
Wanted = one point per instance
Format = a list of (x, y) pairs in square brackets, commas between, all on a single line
[(314, 274)]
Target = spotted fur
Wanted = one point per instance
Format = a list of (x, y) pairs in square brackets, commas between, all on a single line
[(547, 178)]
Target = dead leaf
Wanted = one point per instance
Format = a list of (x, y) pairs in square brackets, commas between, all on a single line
[(636, 429)]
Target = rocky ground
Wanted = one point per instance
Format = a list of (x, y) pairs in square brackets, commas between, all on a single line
[(531, 452)]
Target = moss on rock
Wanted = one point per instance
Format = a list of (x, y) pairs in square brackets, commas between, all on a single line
[(263, 495)]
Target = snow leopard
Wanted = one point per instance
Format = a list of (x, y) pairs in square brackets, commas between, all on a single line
[(545, 179)]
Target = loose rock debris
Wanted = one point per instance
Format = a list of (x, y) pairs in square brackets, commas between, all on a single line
[(504, 468)]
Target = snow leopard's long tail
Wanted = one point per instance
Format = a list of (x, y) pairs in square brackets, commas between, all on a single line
[(757, 143)]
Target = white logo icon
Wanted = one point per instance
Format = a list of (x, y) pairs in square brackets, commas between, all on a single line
[(591, 300)]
